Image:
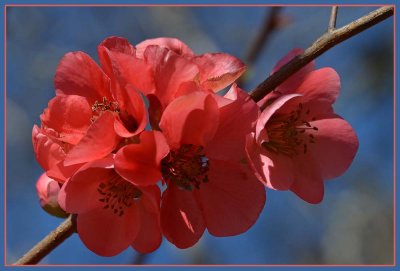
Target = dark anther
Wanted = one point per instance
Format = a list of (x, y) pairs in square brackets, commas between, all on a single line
[(187, 167), (118, 194)]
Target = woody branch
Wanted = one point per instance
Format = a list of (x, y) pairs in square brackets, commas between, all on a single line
[(321, 45)]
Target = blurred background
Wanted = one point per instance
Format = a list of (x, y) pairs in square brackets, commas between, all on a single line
[(354, 223)]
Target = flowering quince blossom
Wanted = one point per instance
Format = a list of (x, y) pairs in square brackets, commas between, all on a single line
[(47, 190), (112, 213), (90, 114), (208, 183), (92, 141), (299, 141), (175, 70)]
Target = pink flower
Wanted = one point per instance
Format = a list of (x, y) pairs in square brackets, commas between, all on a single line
[(92, 111), (176, 71), (208, 182), (47, 190), (59, 154), (50, 152), (112, 213), (299, 141), (214, 71)]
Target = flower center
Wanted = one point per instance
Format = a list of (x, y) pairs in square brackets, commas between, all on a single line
[(187, 167), (286, 132), (118, 194), (99, 107)]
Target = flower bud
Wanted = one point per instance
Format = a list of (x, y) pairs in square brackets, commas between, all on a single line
[(47, 190)]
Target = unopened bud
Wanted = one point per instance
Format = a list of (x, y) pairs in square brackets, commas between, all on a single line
[(48, 190)]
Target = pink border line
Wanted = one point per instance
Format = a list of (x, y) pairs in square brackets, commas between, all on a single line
[(194, 5), (394, 137), (5, 134), (205, 5)]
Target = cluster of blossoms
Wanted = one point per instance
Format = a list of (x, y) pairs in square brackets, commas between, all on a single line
[(142, 146)]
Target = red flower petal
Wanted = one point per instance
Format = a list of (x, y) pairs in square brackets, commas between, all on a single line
[(107, 234), (308, 184), (140, 163), (170, 72), (47, 190), (181, 219), (61, 173), (190, 119), (126, 69), (78, 74), (132, 118), (118, 44), (149, 237), (218, 70), (47, 150), (335, 147), (69, 116), (99, 141), (79, 194), (232, 200), (50, 154), (274, 170), (173, 44), (322, 86), (236, 120)]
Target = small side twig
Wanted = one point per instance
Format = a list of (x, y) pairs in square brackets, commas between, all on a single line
[(321, 45), (50, 242), (332, 20)]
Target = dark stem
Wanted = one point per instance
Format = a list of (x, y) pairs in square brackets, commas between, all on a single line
[(332, 20), (321, 45), (50, 242)]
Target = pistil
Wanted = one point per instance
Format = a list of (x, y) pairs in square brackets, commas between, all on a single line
[(118, 195), (187, 167), (286, 132)]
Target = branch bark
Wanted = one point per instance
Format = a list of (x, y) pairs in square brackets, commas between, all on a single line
[(50, 242), (320, 46), (332, 20)]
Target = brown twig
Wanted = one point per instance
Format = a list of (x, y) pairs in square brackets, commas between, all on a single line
[(332, 19), (50, 242), (321, 45)]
